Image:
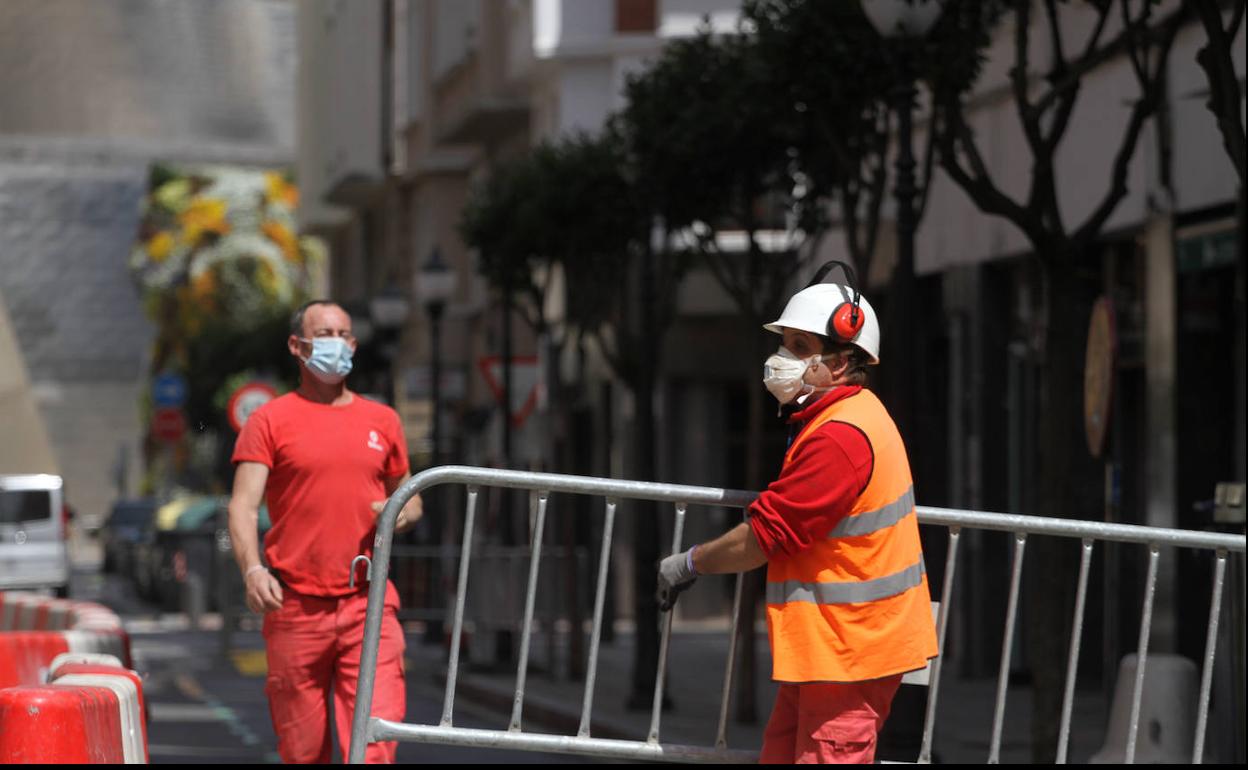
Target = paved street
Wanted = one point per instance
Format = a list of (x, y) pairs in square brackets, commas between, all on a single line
[(206, 708)]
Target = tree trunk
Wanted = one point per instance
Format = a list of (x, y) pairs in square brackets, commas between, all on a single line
[(1066, 480), (747, 696), (645, 522)]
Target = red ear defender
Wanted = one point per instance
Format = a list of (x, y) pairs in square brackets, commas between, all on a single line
[(847, 321)]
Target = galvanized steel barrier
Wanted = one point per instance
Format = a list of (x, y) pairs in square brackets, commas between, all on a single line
[(366, 729)]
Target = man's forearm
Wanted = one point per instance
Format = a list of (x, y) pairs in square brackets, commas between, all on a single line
[(243, 536), (734, 551)]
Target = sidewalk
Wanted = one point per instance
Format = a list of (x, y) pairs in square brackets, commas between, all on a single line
[(552, 704)]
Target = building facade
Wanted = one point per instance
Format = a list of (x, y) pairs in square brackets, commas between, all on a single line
[(404, 104)]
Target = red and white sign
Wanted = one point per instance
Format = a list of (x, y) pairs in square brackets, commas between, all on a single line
[(247, 399), (526, 379), (168, 424)]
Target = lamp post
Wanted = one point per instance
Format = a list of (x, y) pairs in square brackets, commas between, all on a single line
[(387, 312), (434, 287), (905, 22)]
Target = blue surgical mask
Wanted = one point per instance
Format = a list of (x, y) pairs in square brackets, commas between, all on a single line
[(330, 361)]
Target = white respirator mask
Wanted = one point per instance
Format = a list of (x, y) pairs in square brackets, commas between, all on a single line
[(783, 373)]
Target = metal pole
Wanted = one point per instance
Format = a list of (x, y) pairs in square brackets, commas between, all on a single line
[(901, 303), (434, 630), (1211, 645), (1007, 645)]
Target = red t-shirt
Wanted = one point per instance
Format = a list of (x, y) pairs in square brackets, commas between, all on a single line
[(327, 465), (819, 485)]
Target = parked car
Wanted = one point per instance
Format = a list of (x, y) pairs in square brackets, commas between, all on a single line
[(34, 550), (129, 522)]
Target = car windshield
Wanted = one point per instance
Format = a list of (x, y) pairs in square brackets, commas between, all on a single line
[(21, 505), (134, 514)]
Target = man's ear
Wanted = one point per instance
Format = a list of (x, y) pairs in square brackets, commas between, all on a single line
[(837, 363), (292, 344)]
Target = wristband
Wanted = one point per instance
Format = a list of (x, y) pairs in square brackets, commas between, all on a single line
[(689, 560), (252, 569)]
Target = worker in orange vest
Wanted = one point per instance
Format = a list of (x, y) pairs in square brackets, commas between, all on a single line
[(848, 607)]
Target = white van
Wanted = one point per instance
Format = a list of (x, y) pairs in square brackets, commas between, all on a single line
[(33, 537)]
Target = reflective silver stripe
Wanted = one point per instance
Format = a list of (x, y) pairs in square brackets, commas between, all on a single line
[(846, 592), (873, 521)]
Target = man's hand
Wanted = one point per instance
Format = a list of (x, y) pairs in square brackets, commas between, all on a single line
[(409, 515), (264, 593), (675, 575)]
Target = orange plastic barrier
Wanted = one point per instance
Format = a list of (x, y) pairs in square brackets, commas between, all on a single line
[(54, 724), (70, 669), (26, 655)]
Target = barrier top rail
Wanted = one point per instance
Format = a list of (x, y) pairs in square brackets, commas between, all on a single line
[(543, 484), (740, 498)]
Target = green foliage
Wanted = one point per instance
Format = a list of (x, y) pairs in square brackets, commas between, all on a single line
[(566, 203), (705, 130)]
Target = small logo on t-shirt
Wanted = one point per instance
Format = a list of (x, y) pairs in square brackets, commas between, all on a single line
[(374, 441)]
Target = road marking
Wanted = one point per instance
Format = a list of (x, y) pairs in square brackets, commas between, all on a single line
[(250, 662)]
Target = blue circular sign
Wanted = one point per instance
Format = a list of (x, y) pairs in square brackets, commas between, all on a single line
[(169, 390)]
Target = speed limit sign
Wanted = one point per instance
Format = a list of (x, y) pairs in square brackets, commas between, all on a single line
[(247, 399)]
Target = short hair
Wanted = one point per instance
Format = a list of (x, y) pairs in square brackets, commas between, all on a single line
[(858, 358), (296, 318)]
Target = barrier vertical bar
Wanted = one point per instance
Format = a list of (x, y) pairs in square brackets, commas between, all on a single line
[(665, 639), (1211, 644), (1003, 679), (530, 595), (942, 626), (1141, 658), (1072, 663), (721, 731), (600, 596), (371, 643), (461, 596)]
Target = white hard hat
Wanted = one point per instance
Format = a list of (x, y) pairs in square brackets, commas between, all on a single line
[(811, 308)]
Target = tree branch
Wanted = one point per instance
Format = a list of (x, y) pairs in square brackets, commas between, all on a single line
[(1019, 80), (1134, 54), (1091, 59), (976, 182), (1224, 91), (1055, 34), (1142, 110)]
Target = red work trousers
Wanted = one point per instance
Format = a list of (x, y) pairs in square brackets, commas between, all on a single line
[(827, 723), (313, 645)]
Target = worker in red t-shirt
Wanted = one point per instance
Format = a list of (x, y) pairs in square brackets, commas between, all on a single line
[(848, 608), (325, 460)]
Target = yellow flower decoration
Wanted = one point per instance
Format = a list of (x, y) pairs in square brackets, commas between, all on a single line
[(160, 245), (283, 237), (204, 289), (204, 215), (278, 190)]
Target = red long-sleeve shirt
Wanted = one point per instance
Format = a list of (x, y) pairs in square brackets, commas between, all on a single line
[(818, 486)]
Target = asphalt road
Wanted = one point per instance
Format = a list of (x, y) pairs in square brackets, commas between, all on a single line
[(208, 707)]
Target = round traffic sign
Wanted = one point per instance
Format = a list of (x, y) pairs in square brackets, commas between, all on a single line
[(247, 399), (168, 425)]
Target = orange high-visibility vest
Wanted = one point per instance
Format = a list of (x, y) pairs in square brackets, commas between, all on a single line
[(855, 605)]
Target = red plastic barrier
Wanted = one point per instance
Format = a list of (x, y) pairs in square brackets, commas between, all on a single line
[(66, 669), (55, 724), (26, 655)]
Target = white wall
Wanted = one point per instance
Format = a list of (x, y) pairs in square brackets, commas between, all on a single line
[(954, 232), (457, 26)]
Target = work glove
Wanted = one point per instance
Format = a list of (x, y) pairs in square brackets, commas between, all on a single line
[(676, 573)]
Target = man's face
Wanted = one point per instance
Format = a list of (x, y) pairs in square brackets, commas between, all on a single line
[(321, 321), (801, 343)]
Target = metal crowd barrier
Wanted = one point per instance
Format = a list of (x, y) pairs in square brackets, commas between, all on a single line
[(366, 729)]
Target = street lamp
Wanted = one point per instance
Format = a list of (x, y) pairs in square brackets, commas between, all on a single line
[(905, 22), (389, 308), (434, 285)]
